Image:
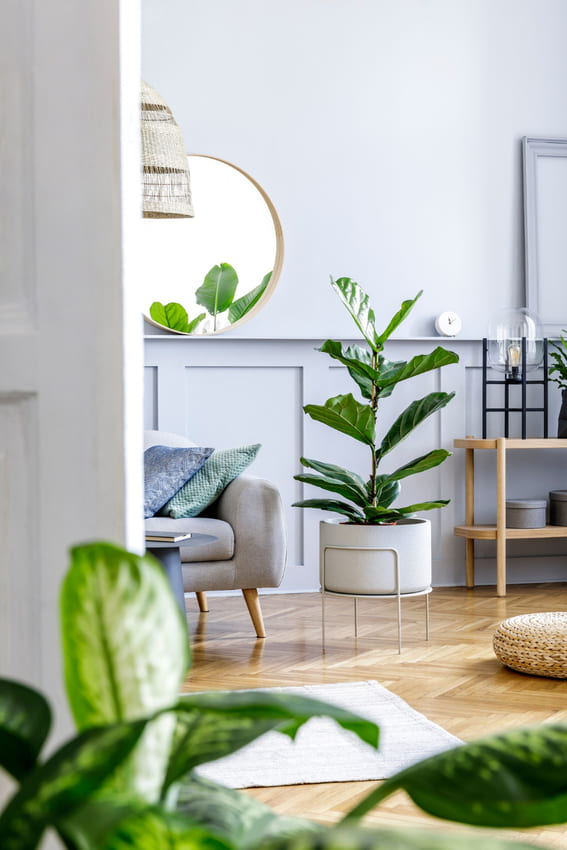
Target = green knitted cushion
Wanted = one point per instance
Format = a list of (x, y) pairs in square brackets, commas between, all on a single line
[(222, 467)]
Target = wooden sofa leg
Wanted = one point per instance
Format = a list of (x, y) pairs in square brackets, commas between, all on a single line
[(253, 604), (202, 600)]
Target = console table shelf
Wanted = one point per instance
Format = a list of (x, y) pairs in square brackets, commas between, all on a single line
[(471, 532)]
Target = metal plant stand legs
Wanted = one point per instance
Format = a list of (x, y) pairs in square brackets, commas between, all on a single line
[(397, 596)]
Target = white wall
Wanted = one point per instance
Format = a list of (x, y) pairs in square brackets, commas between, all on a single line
[(387, 133)]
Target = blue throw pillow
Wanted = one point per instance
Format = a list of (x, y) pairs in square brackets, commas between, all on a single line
[(166, 469), (203, 488)]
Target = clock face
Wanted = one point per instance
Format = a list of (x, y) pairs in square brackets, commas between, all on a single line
[(448, 324)]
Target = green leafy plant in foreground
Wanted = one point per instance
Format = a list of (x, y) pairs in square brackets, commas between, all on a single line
[(127, 779), (370, 501), (216, 295)]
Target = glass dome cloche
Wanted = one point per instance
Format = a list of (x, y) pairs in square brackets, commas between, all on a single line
[(506, 331)]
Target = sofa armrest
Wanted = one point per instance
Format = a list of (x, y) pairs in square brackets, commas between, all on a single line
[(253, 508)]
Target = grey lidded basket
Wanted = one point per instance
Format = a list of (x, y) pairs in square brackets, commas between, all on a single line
[(526, 513)]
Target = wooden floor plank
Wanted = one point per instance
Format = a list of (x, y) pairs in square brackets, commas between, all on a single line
[(454, 679)]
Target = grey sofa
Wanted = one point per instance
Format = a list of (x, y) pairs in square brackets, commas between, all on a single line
[(250, 550)]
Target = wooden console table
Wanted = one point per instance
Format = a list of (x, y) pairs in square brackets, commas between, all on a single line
[(498, 532)]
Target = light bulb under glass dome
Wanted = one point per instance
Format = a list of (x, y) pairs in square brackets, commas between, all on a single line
[(506, 331)]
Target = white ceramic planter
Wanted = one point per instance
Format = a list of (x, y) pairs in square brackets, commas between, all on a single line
[(358, 559)]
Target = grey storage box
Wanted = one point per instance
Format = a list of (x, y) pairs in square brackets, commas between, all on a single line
[(558, 507), (526, 513)]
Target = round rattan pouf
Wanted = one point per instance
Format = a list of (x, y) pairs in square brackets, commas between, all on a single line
[(534, 643)]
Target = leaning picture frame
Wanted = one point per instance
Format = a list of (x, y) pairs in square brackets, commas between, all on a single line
[(545, 231)]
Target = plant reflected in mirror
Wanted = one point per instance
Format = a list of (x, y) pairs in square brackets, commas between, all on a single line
[(217, 295), (187, 286)]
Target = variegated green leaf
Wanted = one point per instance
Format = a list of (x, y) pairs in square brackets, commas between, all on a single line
[(417, 366), (345, 414), (63, 783), (333, 505), (159, 829), (411, 417), (420, 464), (125, 650), (357, 303), (515, 779), (25, 720), (239, 818), (398, 318), (212, 725), (344, 838)]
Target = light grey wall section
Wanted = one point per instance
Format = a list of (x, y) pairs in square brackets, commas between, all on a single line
[(387, 133), (226, 392)]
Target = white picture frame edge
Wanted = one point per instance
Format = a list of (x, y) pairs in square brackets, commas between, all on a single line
[(532, 148)]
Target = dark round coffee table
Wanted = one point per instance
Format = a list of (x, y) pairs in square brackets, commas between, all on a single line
[(169, 556)]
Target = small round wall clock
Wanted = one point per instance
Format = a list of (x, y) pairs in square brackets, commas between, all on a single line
[(448, 324)]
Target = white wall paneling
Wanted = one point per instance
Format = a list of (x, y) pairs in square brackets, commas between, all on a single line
[(227, 392)]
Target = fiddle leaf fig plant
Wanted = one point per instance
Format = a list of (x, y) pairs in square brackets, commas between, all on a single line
[(127, 779), (558, 370), (370, 501), (216, 295)]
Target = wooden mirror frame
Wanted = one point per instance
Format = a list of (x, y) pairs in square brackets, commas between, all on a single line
[(276, 270)]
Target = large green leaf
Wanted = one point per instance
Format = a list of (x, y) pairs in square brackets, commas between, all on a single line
[(64, 782), (212, 725), (243, 305), (411, 417), (216, 293), (25, 720), (419, 364), (332, 486), (239, 818), (344, 413), (386, 490), (333, 505), (125, 650), (358, 362), (196, 321), (357, 303), (351, 479), (398, 318), (420, 464), (158, 829), (171, 315), (353, 838), (515, 779)]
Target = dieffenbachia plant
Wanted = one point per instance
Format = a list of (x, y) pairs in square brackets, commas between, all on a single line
[(126, 779), (369, 501), (216, 294)]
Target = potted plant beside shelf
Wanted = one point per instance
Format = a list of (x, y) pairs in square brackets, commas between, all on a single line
[(370, 521), (558, 373)]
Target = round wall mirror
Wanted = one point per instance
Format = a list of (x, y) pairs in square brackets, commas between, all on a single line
[(208, 274)]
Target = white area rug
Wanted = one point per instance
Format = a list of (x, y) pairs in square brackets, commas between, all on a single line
[(324, 752)]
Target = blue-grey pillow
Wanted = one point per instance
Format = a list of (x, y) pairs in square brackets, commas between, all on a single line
[(166, 469), (208, 483)]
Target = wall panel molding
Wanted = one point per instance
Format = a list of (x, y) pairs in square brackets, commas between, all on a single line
[(189, 375)]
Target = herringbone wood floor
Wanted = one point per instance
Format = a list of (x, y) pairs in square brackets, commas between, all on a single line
[(454, 679)]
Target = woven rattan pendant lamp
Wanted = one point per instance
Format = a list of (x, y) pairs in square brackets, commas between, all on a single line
[(166, 188)]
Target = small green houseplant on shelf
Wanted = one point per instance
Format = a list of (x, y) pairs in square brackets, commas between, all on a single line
[(558, 373), (367, 505), (126, 781)]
